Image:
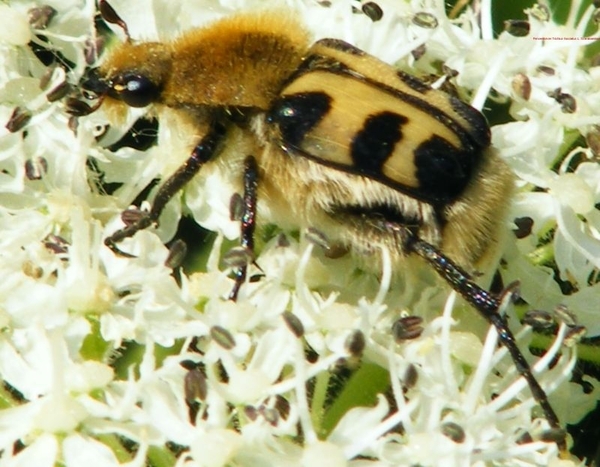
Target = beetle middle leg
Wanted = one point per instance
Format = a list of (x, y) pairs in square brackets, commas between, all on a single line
[(209, 147), (248, 220)]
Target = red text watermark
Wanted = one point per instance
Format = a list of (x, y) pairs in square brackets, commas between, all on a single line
[(565, 38)]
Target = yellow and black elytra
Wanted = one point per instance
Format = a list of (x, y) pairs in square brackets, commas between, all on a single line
[(326, 136), (406, 135)]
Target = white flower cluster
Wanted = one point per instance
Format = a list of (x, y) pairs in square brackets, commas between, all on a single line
[(96, 349)]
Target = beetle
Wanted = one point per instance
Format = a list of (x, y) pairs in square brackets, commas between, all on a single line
[(329, 137)]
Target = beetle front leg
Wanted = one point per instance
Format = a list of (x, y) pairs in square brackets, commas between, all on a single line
[(248, 220), (208, 147)]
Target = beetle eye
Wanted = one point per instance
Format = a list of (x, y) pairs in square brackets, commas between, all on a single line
[(134, 90)]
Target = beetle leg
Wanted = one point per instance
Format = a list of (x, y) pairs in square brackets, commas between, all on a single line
[(248, 220), (488, 305), (208, 147)]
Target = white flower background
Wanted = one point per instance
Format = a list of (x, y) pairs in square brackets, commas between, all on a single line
[(92, 344)]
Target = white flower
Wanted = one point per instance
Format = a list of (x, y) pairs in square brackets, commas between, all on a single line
[(303, 370)]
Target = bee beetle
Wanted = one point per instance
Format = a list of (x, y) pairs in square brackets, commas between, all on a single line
[(330, 137)]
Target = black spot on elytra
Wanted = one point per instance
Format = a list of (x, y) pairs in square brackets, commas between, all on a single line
[(375, 142), (442, 170), (297, 114)]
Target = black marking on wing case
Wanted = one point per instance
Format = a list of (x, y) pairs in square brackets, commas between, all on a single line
[(376, 141), (443, 172), (297, 114)]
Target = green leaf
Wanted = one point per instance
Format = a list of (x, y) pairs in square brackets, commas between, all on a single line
[(361, 390)]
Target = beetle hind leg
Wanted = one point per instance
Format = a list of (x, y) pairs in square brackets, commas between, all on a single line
[(489, 306)]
